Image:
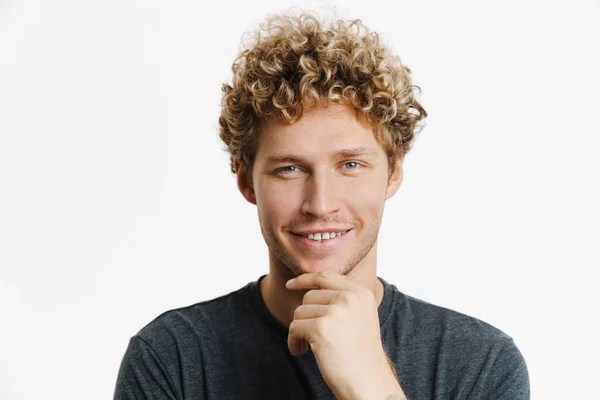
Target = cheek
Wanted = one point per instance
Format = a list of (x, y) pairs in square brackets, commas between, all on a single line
[(366, 196), (276, 201), (365, 200), (370, 188)]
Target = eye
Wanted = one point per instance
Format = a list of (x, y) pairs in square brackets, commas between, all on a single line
[(352, 165), (287, 169)]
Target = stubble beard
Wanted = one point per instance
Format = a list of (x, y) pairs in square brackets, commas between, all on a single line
[(287, 261)]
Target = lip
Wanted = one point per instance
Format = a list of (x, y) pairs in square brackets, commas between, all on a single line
[(326, 230), (328, 244)]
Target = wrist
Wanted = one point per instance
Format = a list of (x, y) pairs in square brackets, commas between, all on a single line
[(384, 387), (391, 391), (379, 383)]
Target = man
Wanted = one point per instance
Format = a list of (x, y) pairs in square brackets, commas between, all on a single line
[(317, 122)]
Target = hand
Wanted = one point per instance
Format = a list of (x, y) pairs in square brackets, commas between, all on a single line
[(339, 320)]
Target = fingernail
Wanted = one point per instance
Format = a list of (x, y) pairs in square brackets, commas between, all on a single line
[(290, 282)]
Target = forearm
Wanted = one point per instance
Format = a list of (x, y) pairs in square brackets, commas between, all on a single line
[(392, 367), (398, 394), (385, 387), (382, 391)]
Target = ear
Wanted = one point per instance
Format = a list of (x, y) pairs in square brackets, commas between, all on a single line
[(395, 179), (243, 182)]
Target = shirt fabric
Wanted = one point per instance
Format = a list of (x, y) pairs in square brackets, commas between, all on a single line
[(232, 347)]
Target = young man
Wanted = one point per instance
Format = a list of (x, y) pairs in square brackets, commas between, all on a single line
[(317, 122)]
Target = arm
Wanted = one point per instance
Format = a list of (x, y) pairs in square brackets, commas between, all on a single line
[(388, 389), (508, 378), (142, 374)]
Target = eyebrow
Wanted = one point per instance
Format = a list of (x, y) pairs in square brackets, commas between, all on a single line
[(339, 154)]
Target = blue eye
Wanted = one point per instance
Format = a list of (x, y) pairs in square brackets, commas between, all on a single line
[(353, 164), (288, 169)]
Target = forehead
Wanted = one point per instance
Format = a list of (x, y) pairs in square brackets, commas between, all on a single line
[(320, 130)]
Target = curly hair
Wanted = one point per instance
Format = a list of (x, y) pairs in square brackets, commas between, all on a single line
[(296, 62)]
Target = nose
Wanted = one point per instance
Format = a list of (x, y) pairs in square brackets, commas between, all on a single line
[(321, 195)]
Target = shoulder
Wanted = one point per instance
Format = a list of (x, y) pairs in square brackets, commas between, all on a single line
[(466, 349), (451, 325), (203, 320), (166, 357)]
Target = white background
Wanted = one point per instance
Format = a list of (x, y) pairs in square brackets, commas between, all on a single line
[(116, 200)]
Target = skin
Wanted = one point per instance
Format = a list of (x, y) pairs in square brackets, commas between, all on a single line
[(308, 175)]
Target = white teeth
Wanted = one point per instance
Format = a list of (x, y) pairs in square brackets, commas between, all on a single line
[(324, 236)]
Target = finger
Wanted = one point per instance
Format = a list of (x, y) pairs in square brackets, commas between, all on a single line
[(321, 280), (297, 346), (320, 296), (310, 311), (299, 336)]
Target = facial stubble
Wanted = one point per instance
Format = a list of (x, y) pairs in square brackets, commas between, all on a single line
[(280, 253)]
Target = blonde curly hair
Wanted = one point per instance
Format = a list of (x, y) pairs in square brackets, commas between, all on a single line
[(296, 62)]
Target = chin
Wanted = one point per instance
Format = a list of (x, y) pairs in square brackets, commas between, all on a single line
[(319, 266)]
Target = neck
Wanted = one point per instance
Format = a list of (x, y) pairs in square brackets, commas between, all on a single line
[(282, 302)]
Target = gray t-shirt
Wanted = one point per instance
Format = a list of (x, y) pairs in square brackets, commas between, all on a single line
[(232, 347)]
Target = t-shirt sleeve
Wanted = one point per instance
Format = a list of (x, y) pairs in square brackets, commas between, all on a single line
[(508, 378), (142, 375)]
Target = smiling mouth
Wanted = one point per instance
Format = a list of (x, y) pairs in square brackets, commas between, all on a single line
[(321, 237)]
